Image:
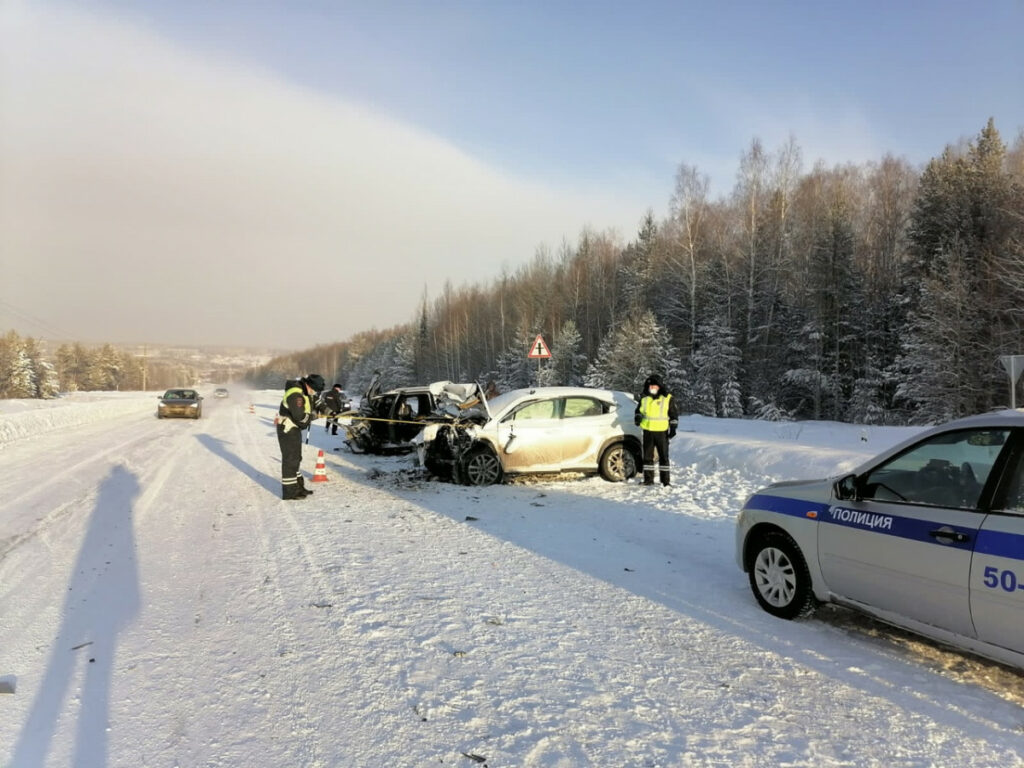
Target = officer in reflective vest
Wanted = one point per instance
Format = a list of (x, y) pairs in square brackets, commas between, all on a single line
[(294, 415), (657, 416)]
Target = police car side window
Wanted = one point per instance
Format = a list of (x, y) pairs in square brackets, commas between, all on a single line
[(1014, 492), (947, 470)]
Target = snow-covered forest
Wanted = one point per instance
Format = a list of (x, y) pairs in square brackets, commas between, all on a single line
[(875, 293), (27, 372)]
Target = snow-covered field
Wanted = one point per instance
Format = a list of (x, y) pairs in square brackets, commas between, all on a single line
[(161, 606)]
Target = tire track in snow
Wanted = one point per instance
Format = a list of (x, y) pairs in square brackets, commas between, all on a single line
[(276, 620)]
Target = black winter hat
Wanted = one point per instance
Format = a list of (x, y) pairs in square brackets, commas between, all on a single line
[(316, 381), (654, 379)]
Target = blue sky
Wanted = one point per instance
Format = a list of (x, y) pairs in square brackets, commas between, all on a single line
[(592, 93), (393, 147)]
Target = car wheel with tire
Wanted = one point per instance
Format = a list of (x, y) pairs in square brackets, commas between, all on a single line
[(481, 467), (779, 577), (617, 464)]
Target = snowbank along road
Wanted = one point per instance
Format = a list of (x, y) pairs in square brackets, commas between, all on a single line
[(161, 606)]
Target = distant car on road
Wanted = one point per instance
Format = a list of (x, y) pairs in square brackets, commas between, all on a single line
[(220, 392), (928, 536), (181, 403)]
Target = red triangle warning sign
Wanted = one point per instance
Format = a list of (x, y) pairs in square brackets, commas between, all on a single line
[(539, 349)]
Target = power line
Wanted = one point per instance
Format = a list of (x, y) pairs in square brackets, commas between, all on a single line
[(43, 325)]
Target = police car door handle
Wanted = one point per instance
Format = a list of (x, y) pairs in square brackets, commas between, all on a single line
[(956, 536)]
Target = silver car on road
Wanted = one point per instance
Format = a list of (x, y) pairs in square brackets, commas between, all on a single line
[(537, 430), (928, 536)]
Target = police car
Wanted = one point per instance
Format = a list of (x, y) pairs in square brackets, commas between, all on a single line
[(928, 536)]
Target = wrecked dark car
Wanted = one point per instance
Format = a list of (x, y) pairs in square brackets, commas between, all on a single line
[(534, 431), (387, 422)]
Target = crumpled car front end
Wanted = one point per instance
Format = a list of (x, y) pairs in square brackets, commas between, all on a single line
[(392, 422), (440, 448)]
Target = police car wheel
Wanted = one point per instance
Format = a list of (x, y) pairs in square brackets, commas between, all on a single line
[(779, 577), (481, 467)]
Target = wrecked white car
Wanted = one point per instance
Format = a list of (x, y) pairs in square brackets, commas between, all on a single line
[(387, 422), (528, 431)]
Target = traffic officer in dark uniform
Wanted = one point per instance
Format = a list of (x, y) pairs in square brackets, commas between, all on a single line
[(295, 414), (333, 403), (657, 416)]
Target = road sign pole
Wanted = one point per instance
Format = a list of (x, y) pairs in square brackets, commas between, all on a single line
[(540, 351), (1014, 365)]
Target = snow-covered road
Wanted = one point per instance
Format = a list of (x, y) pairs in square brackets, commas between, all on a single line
[(161, 606)]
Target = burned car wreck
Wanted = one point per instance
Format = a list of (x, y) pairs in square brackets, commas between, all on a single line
[(387, 422), (531, 431)]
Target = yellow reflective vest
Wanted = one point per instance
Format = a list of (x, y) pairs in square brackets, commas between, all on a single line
[(654, 413), (285, 413)]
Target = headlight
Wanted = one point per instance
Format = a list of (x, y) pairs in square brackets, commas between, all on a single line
[(194, 405)]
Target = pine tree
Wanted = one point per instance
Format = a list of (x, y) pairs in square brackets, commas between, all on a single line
[(635, 267), (43, 377), (964, 284), (938, 382), (628, 355), (513, 369), (866, 404), (9, 344), (400, 368), (17, 377), (568, 364), (716, 367)]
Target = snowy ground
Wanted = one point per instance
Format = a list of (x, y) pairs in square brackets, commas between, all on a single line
[(160, 606)]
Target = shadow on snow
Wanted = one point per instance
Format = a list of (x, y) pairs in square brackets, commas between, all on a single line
[(102, 599)]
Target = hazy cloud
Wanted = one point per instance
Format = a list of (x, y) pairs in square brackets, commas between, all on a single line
[(152, 194)]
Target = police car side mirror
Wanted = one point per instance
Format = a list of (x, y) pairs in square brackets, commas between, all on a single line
[(845, 488)]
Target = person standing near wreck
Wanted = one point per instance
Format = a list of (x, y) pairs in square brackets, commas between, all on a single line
[(657, 416), (295, 414), (332, 400)]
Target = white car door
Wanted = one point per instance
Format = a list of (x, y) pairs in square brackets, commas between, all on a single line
[(997, 582), (529, 438), (585, 425), (997, 572), (906, 544)]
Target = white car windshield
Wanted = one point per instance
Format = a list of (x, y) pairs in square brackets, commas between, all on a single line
[(501, 402)]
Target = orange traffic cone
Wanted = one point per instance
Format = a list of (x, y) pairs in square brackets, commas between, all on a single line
[(320, 473), (252, 408)]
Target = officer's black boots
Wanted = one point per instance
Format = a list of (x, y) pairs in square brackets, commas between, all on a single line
[(293, 491)]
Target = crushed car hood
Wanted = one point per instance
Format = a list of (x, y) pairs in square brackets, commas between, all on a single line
[(456, 398)]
